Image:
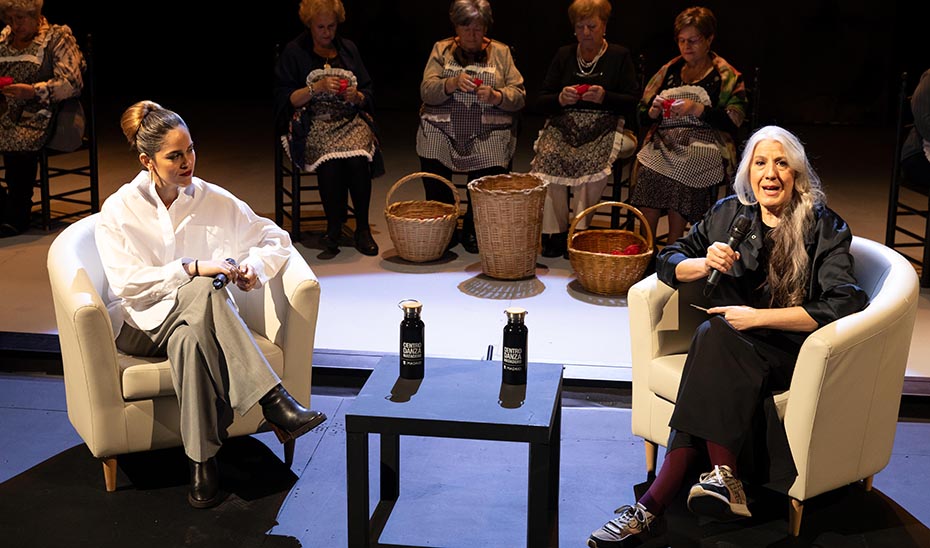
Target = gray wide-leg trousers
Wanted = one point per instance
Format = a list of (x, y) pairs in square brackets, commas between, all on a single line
[(216, 365)]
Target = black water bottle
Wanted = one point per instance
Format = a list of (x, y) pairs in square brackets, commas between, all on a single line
[(411, 341), (515, 335)]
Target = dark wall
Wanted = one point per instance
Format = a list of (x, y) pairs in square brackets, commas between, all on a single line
[(821, 61)]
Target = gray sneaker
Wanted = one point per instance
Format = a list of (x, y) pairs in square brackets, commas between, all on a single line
[(633, 526), (719, 495)]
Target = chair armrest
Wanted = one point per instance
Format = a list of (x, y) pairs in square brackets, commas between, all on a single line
[(93, 387), (285, 312), (655, 323), (646, 302), (843, 405)]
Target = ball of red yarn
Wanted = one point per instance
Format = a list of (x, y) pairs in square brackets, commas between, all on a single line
[(5, 81), (582, 88)]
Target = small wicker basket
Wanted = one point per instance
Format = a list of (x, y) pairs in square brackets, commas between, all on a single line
[(421, 229), (593, 254), (508, 223)]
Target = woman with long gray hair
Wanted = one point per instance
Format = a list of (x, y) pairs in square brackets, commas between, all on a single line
[(790, 275)]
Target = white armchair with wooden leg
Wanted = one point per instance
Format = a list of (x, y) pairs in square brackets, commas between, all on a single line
[(841, 410), (123, 404)]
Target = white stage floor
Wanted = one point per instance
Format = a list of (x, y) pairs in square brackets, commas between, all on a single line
[(462, 309)]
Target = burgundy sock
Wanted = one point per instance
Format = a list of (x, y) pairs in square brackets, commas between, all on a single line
[(669, 480), (720, 455)]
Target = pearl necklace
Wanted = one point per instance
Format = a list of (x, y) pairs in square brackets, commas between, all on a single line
[(587, 67)]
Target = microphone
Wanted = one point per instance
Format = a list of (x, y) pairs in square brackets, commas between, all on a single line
[(738, 233), (220, 280)]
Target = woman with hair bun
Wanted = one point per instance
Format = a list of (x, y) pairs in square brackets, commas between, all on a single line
[(163, 238)]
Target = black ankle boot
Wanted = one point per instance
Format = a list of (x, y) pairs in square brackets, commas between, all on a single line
[(205, 484), (556, 245), (364, 243), (470, 241), (330, 240), (287, 418)]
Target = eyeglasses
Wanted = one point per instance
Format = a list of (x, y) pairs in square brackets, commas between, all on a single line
[(690, 41)]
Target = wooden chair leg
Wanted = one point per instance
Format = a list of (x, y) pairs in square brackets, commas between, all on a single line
[(652, 453), (795, 508), (109, 473), (289, 452), (867, 483)]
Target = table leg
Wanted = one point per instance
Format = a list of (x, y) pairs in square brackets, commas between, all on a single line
[(390, 467), (542, 528), (543, 499), (555, 451), (357, 488)]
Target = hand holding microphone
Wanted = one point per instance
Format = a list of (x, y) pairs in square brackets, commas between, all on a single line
[(221, 279), (738, 233)]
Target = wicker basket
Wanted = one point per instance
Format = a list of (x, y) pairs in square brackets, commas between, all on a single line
[(508, 221), (421, 229), (591, 253)]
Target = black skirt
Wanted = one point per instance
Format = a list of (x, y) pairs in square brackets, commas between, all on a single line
[(725, 396), (657, 191)]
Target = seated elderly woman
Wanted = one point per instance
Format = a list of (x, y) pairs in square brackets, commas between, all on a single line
[(323, 100), (695, 103), (588, 89), (915, 156), (792, 274), (41, 66), (470, 91)]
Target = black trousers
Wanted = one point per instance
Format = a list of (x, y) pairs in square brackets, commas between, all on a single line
[(16, 198), (917, 170), (338, 179), (436, 190), (725, 396)]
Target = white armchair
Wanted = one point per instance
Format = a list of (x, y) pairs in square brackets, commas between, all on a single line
[(123, 404), (841, 410)]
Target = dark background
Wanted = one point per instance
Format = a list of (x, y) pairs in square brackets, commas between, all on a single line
[(822, 61)]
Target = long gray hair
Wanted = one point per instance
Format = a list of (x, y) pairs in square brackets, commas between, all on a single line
[(789, 265)]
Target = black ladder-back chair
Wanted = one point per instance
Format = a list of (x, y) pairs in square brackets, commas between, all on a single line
[(290, 197), (898, 236), (87, 196)]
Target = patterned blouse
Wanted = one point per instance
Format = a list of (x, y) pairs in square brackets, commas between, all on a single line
[(53, 64)]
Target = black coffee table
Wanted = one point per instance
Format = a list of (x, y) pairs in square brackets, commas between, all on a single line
[(455, 399)]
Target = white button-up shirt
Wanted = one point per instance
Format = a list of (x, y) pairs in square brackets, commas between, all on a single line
[(143, 244)]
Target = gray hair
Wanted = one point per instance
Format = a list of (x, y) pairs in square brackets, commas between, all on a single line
[(32, 7), (789, 264), (465, 12), (806, 180)]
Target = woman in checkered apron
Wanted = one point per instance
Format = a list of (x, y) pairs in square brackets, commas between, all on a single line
[(471, 90), (695, 104), (588, 89)]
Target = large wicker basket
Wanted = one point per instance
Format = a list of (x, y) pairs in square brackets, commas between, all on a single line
[(595, 257), (508, 222), (421, 229)]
